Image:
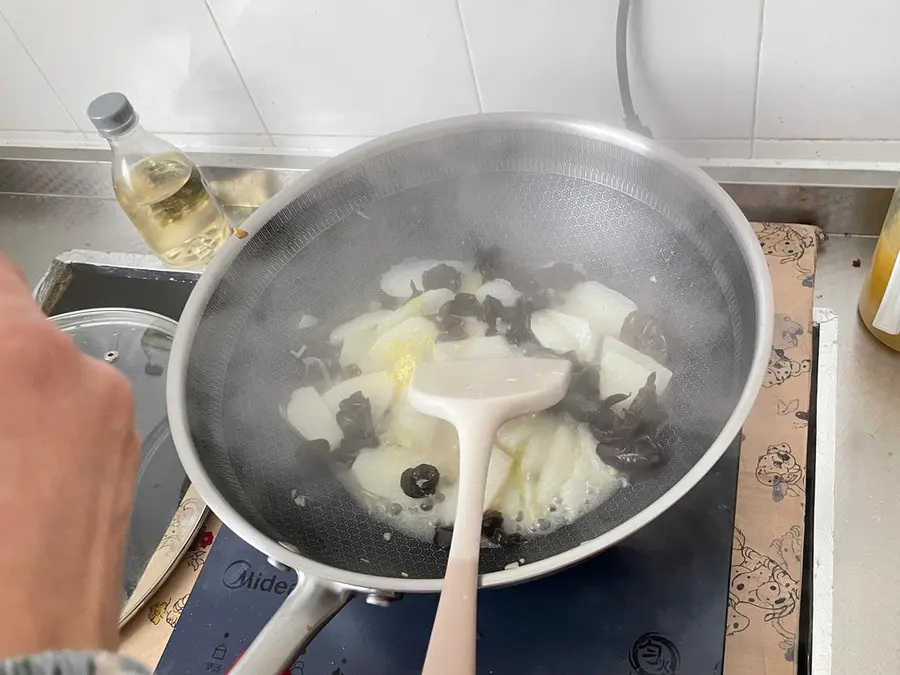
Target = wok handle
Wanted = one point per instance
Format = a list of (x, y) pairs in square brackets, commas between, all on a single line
[(303, 614)]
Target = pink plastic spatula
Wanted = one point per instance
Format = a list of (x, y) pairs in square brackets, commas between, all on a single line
[(476, 397)]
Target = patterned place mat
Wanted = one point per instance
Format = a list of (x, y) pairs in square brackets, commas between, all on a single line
[(767, 556)]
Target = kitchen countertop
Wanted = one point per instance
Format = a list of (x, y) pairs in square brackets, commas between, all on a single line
[(33, 229), (866, 637)]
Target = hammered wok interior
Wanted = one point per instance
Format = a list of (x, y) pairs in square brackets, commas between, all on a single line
[(540, 192)]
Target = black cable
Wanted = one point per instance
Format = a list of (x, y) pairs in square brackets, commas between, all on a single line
[(632, 121)]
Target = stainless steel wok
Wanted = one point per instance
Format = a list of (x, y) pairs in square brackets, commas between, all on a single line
[(635, 215)]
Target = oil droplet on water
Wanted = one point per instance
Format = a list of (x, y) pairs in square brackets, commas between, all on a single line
[(171, 207)]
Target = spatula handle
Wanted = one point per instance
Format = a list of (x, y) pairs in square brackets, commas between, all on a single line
[(451, 650)]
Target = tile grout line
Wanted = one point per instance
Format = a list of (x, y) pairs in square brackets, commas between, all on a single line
[(812, 139), (237, 69), (40, 70), (762, 19), (465, 33)]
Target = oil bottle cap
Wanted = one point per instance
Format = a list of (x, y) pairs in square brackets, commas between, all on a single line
[(112, 114)]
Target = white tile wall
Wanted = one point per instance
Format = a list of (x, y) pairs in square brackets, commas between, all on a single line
[(693, 64), (166, 55), (698, 148), (545, 56), (829, 70), (326, 67), (770, 79), (26, 100)]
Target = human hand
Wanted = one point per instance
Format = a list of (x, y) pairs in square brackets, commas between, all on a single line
[(68, 456)]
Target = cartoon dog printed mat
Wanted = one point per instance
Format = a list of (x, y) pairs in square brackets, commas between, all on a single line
[(767, 553), (145, 637)]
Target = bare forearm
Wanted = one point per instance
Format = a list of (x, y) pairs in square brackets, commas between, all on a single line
[(69, 452)]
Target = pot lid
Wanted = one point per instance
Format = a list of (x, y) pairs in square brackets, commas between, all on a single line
[(137, 343)]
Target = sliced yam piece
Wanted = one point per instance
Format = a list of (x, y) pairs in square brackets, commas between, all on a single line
[(624, 370), (531, 465), (361, 323), (497, 478), (515, 435), (474, 349), (414, 329), (586, 340), (602, 307), (310, 415), (577, 267), (357, 350), (377, 471), (408, 428), (377, 387), (445, 510), (402, 348), (564, 333), (591, 479), (446, 440), (535, 452), (518, 501), (398, 316), (550, 333), (475, 327), (511, 500), (396, 281), (431, 301), (501, 289), (471, 279), (498, 473), (426, 304), (559, 464)]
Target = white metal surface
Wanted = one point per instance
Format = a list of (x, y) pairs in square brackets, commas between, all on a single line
[(866, 630), (823, 523)]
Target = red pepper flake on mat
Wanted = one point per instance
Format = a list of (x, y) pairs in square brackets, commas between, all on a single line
[(202, 540), (857, 262)]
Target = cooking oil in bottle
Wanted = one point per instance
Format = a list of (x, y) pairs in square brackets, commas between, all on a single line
[(169, 204), (159, 188), (879, 301)]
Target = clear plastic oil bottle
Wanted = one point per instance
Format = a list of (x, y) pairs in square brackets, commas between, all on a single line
[(159, 188)]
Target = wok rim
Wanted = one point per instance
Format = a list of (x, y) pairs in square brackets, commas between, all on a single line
[(196, 304)]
